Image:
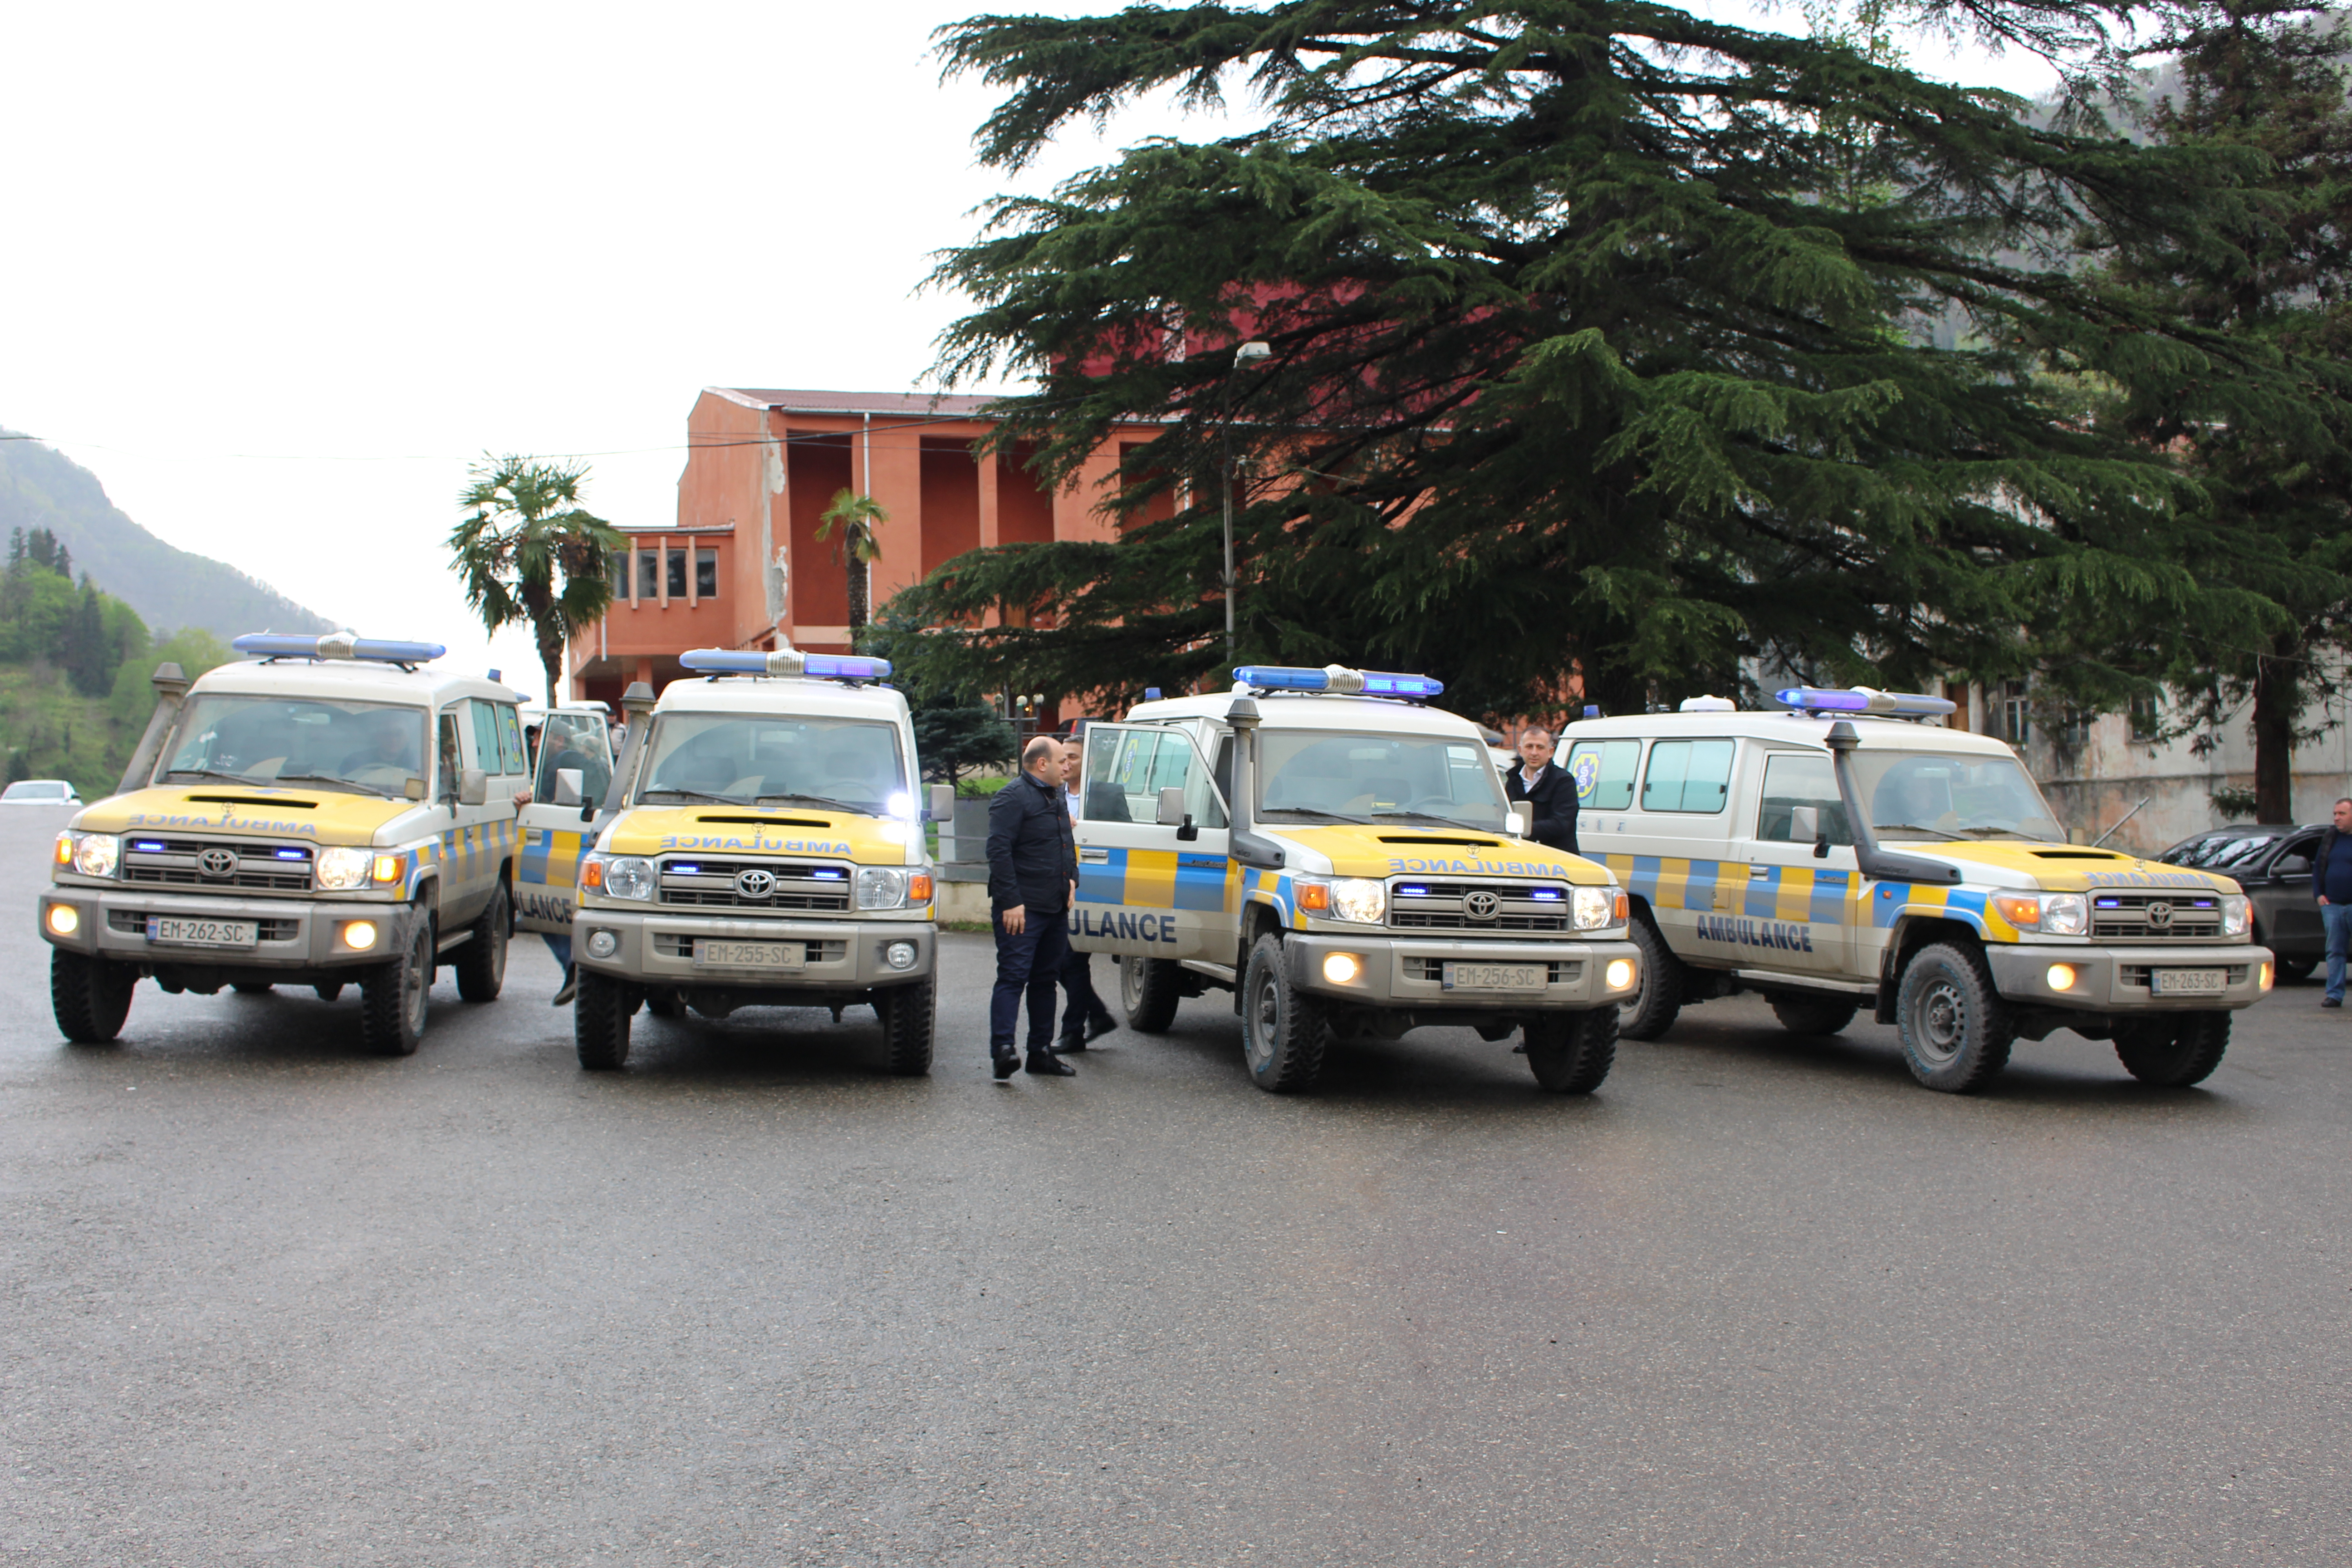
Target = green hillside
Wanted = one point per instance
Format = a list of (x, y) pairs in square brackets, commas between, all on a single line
[(42, 488)]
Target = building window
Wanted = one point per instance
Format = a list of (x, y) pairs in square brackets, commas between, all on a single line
[(676, 572), (648, 583), (619, 562), (706, 574), (2015, 714), (2144, 722)]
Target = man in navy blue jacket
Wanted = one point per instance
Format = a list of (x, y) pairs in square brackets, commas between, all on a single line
[(2331, 884), (1032, 873)]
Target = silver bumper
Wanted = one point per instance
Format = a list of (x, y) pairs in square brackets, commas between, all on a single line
[(1409, 970), (2115, 979), (296, 933), (656, 948)]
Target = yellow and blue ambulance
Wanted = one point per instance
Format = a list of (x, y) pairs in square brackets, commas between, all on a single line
[(1848, 849), (763, 845), (326, 811), (1338, 854)]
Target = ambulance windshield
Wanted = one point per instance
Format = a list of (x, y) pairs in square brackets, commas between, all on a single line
[(372, 748), (1922, 797), (1309, 775), (744, 759)]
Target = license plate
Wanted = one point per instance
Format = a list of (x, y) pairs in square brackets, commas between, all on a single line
[(2187, 981), (710, 954), (183, 932), (1495, 977)]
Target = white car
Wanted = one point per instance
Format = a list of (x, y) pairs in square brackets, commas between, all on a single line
[(40, 791)]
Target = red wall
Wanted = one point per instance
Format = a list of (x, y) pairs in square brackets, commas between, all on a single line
[(818, 469), (951, 501), (1024, 514)]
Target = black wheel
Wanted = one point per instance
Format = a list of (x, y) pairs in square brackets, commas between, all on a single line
[(600, 1021), (2295, 970), (481, 963), (251, 987), (328, 993), (1570, 1053), (1655, 1002), (1814, 1014), (1283, 1029), (1149, 990), (906, 1013), (2176, 1051), (664, 1002), (1956, 1031), (394, 997), (90, 997)]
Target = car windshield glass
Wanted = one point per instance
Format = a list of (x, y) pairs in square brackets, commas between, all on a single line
[(2197, 851), (374, 746), (1441, 779), (2238, 851), (744, 758), (1925, 797), (34, 789)]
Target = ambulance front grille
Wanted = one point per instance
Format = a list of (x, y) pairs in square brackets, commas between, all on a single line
[(799, 886), (1418, 905), (154, 860), (2185, 916)]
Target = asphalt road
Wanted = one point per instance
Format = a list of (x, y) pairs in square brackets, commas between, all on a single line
[(266, 1299)]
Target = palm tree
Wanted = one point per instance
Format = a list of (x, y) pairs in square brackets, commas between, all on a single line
[(530, 552), (857, 516)]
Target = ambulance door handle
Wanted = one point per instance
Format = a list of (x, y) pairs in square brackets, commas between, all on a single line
[(1093, 857)]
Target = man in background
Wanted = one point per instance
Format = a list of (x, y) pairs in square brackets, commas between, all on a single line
[(1032, 874), (2331, 884), (1084, 1016), (1550, 792)]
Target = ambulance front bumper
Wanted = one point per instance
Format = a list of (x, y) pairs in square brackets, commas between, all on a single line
[(289, 934), (1391, 971), (2128, 979), (653, 948)]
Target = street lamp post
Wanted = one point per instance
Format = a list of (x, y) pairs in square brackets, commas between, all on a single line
[(1247, 354)]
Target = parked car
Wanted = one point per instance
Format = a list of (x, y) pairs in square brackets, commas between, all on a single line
[(39, 792), (2272, 864)]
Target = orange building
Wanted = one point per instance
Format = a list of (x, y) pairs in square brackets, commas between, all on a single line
[(743, 566)]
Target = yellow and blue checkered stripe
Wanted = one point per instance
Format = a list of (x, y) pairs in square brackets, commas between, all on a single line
[(469, 854), (550, 857), (1156, 879), (1812, 895)]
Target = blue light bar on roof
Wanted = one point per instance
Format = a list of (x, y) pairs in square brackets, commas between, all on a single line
[(783, 661), (1863, 700), (336, 645), (1337, 679)]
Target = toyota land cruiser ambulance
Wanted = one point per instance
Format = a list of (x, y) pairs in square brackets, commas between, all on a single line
[(1342, 858), (761, 846), (1843, 853), (328, 812)]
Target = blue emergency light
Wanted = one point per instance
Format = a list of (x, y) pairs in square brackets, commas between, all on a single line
[(1863, 700), (1337, 679), (336, 645), (783, 661)]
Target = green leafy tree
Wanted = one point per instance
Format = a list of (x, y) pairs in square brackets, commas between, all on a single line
[(530, 554), (193, 649), (856, 516), (955, 731), (1598, 352)]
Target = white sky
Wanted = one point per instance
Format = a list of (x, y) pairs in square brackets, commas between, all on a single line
[(276, 274)]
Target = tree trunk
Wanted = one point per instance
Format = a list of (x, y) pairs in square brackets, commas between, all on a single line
[(2278, 701), (859, 587), (550, 632)]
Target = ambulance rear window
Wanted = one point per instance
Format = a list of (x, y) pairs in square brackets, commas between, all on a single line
[(1603, 771)]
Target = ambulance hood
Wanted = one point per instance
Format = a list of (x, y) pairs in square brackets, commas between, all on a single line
[(748, 830), (2057, 868), (304, 815), (1391, 850)]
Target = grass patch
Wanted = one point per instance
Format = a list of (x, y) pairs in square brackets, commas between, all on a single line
[(971, 928)]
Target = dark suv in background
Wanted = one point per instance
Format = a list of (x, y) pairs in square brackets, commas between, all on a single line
[(2272, 864)]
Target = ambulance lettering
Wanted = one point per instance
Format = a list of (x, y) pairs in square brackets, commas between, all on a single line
[(1126, 925), (241, 824), (757, 843), (1402, 865), (1781, 935)]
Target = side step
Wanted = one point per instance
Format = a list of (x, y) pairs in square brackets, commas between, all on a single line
[(446, 942)]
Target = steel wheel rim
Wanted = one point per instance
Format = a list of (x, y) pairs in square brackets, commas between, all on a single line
[(1265, 1017), (1939, 1020), (498, 935), (1131, 983), (413, 983)]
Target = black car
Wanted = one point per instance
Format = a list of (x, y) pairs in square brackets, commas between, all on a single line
[(2272, 864)]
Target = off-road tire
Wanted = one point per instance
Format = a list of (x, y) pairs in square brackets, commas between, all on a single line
[(664, 1002), (2174, 1051), (1570, 1053), (90, 997), (328, 993), (1284, 1031), (251, 987), (481, 963), (599, 1020), (2295, 971), (1814, 1014), (906, 1013), (395, 998), (1955, 1029), (1149, 990), (1658, 1000)]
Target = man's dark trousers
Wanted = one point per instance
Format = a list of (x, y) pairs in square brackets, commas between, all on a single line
[(1032, 961), (1080, 1005)]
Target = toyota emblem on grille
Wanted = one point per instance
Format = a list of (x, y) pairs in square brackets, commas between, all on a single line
[(2159, 915), (755, 884), (218, 863), (1481, 905)]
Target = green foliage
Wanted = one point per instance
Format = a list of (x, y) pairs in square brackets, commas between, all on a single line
[(530, 554), (133, 698), (856, 516), (955, 731)]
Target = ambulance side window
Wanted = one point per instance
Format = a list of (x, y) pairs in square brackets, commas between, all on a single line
[(450, 758), (1792, 779), (1687, 775), (485, 736), (1603, 771)]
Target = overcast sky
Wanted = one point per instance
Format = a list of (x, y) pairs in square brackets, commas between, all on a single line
[(277, 274)]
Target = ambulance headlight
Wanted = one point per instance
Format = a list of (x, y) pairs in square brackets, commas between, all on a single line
[(618, 877), (1594, 908), (340, 871), (2235, 910), (880, 888), (95, 854), (2065, 914), (1360, 899)]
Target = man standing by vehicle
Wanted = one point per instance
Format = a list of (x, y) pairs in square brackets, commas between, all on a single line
[(1084, 1016), (1033, 870), (2331, 883), (1549, 791)]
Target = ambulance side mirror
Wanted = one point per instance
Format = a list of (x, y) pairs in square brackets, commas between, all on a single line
[(943, 802), (473, 787), (568, 784), (1523, 818), (1805, 824), (1171, 806)]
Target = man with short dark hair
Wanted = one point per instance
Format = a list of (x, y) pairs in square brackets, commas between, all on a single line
[(1084, 1016), (1032, 874), (2331, 884), (1550, 793)]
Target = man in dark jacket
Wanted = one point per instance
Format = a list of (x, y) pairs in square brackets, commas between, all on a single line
[(1552, 791), (2331, 884), (1033, 872)]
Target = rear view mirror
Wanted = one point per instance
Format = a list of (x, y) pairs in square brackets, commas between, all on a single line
[(568, 782), (943, 798), (1804, 823), (1172, 807), (414, 789), (473, 787), (1523, 818)]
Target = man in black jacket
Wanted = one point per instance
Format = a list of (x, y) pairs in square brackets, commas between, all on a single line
[(1552, 791), (1033, 871)]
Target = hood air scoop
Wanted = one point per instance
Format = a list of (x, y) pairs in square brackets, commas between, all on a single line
[(767, 821), (279, 801)]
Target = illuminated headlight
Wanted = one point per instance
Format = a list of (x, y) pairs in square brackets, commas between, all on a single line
[(1360, 899), (2234, 912), (618, 876), (899, 955), (65, 919), (880, 888), (1594, 908), (358, 935), (1620, 975), (1341, 968), (2065, 914), (340, 871), (95, 854)]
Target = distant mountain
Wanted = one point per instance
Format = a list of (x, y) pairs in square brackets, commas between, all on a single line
[(40, 487)]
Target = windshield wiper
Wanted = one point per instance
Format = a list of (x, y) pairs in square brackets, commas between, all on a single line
[(1310, 810), (216, 774), (332, 782), (1440, 821), (694, 795), (1915, 827), (820, 801)]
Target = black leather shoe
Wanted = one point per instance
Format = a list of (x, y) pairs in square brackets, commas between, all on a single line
[(1007, 1067), (1068, 1043), (1100, 1026), (2331, 1001), (1045, 1064)]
